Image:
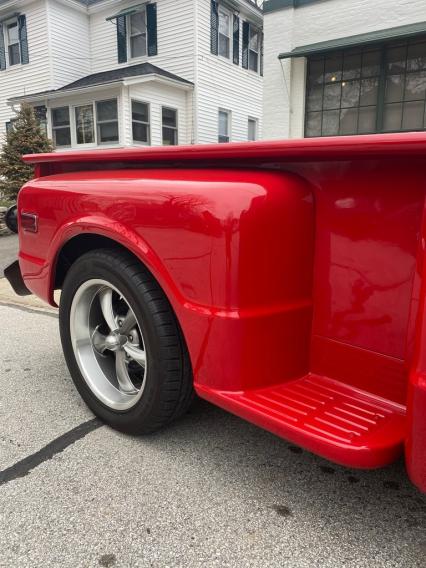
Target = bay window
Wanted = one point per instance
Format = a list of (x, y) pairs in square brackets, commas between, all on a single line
[(170, 127), (107, 121), (84, 124), (61, 127), (140, 122)]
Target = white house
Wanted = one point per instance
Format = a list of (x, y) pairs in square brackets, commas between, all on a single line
[(129, 72), (338, 67)]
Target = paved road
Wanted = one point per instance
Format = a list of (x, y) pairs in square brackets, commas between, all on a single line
[(8, 251), (211, 490)]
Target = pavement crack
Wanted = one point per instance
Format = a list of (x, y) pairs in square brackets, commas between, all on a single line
[(56, 446)]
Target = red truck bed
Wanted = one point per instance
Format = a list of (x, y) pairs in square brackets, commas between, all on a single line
[(295, 269)]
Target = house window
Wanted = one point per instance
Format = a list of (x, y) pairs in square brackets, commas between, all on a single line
[(254, 49), (61, 127), (12, 39), (170, 128), (107, 121), (252, 129), (224, 119), (366, 90), (138, 34), (224, 39), (140, 122), (10, 125), (84, 125)]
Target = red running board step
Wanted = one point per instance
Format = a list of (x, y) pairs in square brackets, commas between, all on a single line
[(330, 418)]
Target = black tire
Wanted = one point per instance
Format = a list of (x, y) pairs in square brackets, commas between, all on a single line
[(168, 389)]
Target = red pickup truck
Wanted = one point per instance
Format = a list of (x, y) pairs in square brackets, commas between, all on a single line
[(283, 281)]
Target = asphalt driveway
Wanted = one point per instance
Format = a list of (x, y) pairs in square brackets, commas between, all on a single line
[(8, 251), (211, 490)]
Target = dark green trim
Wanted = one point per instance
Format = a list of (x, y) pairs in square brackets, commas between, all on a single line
[(127, 11), (274, 5), (371, 38)]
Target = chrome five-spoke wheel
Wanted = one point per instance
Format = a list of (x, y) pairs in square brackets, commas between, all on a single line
[(108, 344)]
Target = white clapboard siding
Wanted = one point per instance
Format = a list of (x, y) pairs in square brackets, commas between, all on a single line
[(33, 77), (69, 42), (158, 95), (175, 29), (222, 84)]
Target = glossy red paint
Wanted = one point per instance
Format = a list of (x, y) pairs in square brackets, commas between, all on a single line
[(295, 269)]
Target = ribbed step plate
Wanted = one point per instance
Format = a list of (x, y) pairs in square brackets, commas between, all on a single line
[(335, 420)]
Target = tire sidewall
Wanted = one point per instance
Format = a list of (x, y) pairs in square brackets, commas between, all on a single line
[(94, 267)]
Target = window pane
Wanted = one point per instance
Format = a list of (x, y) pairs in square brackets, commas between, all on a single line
[(416, 57), (314, 98), (12, 33), (413, 116), (392, 117), (316, 71), (333, 68), (224, 45), (350, 93), (140, 132), (169, 117), (108, 132), (106, 110), (62, 136), (224, 23), (223, 123), (138, 23), (352, 66), (371, 63), (415, 86), (252, 128), (395, 58), (84, 124), (14, 57), (313, 124), (169, 136), (138, 45), (254, 39), (367, 120), (60, 116), (332, 95), (394, 88), (369, 91), (330, 122), (348, 121), (140, 111), (253, 60)]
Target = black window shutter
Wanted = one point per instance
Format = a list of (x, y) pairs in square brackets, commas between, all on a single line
[(151, 24), (2, 50), (23, 39), (214, 27), (122, 39), (262, 39), (236, 40), (245, 56)]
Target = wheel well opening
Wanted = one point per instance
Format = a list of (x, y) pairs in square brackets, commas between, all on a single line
[(76, 247)]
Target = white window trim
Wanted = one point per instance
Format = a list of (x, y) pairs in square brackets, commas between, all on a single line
[(60, 127), (139, 142), (97, 122), (176, 128), (5, 24), (129, 43), (229, 116), (74, 126), (256, 128), (224, 10)]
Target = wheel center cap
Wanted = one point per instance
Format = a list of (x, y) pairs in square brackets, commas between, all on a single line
[(115, 341)]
